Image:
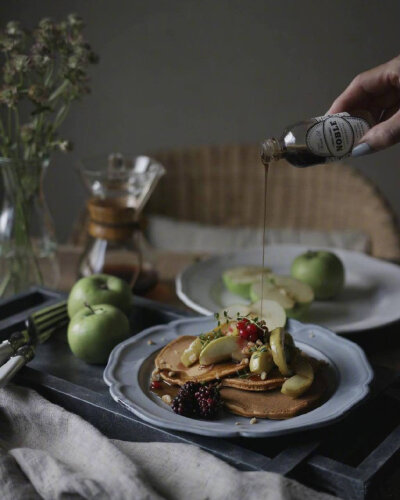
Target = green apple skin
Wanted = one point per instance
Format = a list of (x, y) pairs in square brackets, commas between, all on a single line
[(99, 289), (94, 331), (322, 270), (241, 289)]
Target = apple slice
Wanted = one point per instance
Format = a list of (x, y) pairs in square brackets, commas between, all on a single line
[(293, 295), (261, 361), (222, 349), (277, 343), (269, 311), (233, 311), (238, 280), (192, 353), (300, 382)]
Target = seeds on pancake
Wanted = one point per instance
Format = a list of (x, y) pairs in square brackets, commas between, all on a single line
[(167, 399), (171, 374), (155, 374), (263, 375), (253, 420)]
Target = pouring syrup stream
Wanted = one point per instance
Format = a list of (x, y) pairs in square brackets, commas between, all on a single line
[(266, 169)]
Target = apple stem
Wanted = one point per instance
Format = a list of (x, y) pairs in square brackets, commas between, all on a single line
[(90, 308)]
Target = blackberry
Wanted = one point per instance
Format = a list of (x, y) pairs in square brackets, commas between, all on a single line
[(208, 400), (190, 388), (197, 401), (185, 403)]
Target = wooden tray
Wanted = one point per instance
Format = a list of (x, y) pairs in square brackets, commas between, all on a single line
[(350, 465)]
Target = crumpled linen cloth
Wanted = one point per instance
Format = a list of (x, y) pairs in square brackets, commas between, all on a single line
[(47, 452)]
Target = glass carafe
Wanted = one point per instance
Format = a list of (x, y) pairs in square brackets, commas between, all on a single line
[(27, 238), (120, 186)]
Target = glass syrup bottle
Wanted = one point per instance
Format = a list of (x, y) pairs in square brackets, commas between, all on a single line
[(318, 140)]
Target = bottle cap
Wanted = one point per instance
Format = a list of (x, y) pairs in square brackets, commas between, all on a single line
[(270, 150)]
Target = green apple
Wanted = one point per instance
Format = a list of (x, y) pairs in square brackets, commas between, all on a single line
[(293, 295), (99, 289), (322, 270), (95, 330)]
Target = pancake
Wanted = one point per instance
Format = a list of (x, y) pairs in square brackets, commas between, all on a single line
[(273, 404), (169, 360), (273, 381)]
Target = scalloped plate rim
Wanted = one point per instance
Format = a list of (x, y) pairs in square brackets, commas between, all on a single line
[(200, 427)]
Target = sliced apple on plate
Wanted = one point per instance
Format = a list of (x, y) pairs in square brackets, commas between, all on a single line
[(261, 361), (278, 349), (293, 295), (192, 353), (269, 311), (239, 280), (300, 382), (222, 349)]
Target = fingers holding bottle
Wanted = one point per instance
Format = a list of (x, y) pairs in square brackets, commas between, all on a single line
[(378, 92), (381, 136)]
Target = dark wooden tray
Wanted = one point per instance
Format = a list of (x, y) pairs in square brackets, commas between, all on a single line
[(347, 458)]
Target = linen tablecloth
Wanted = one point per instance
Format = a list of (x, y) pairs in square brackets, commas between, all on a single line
[(47, 452)]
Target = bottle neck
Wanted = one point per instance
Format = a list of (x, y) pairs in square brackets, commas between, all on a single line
[(270, 150)]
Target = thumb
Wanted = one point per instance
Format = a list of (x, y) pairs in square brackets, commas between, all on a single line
[(384, 134)]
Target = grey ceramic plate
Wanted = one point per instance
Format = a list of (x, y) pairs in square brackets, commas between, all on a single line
[(370, 298), (131, 363)]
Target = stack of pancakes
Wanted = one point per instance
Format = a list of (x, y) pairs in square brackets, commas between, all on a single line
[(243, 395)]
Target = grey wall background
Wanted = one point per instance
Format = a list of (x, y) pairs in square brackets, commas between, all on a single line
[(186, 72)]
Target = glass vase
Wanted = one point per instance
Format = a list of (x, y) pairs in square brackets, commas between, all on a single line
[(27, 238)]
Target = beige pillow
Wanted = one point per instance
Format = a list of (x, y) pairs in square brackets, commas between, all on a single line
[(168, 234)]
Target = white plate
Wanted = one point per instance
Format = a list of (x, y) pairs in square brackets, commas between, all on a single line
[(131, 363), (371, 297)]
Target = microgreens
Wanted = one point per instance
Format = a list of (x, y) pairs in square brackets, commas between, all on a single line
[(206, 338)]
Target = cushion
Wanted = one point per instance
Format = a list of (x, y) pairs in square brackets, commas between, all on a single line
[(165, 233)]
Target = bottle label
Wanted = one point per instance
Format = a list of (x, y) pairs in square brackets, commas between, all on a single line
[(334, 136)]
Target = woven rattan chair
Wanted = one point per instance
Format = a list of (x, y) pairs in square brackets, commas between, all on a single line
[(224, 185)]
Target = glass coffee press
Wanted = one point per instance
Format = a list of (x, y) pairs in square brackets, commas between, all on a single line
[(120, 186)]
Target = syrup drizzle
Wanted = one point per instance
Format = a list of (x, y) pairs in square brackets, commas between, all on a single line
[(266, 169)]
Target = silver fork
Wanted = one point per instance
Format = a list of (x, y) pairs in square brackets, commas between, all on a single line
[(20, 348)]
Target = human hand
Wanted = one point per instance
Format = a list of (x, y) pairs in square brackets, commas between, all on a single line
[(377, 91)]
